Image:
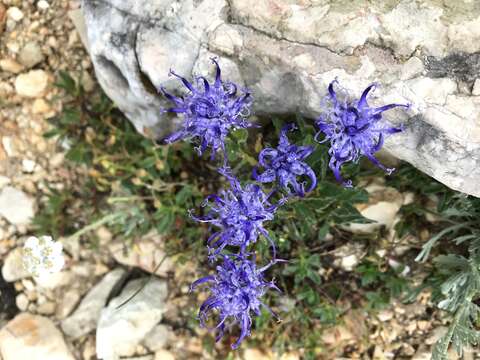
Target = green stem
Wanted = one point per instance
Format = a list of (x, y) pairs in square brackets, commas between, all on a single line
[(94, 225)]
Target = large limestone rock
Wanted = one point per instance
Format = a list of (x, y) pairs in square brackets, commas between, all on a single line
[(287, 51)]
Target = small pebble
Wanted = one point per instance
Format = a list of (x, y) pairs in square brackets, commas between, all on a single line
[(43, 5), (11, 66), (22, 302), (15, 13), (28, 165), (32, 84)]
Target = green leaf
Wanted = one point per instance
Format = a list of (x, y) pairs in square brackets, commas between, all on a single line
[(67, 83), (427, 247), (166, 219), (183, 195)]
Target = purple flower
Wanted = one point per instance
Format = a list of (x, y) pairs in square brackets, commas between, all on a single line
[(239, 214), (354, 129), (285, 164), (210, 111), (236, 289)]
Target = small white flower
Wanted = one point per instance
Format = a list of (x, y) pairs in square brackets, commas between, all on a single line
[(42, 256)]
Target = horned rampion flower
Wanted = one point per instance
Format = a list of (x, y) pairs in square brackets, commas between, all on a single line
[(239, 214), (285, 164), (353, 129), (236, 290), (210, 111), (42, 256)]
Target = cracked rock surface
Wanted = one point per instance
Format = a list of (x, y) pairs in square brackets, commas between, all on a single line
[(287, 51)]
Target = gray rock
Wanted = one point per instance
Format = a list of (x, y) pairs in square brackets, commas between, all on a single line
[(67, 303), (31, 54), (127, 320), (287, 52), (159, 337), (85, 317), (32, 337), (16, 206)]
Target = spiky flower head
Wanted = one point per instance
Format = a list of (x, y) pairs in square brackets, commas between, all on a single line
[(239, 214), (353, 129), (236, 292), (42, 256), (210, 111), (286, 165)]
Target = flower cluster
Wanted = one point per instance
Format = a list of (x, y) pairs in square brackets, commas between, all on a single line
[(210, 111), (353, 129), (238, 214), (236, 289), (285, 164), (42, 256)]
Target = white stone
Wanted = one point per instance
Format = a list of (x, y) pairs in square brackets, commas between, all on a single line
[(164, 355), (87, 82), (348, 263), (10, 65), (126, 320), (348, 256), (22, 302), (13, 269), (86, 316), (43, 5), (4, 181), (40, 106), (55, 280), (32, 337), (16, 206), (476, 88), (15, 13), (30, 55), (32, 84), (8, 146), (28, 165), (47, 308), (385, 315), (382, 213)]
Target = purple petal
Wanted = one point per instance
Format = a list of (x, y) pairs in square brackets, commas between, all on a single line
[(267, 177), (185, 82), (363, 99)]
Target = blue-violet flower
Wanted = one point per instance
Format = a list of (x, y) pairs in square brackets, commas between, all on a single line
[(210, 111), (354, 129), (236, 289), (239, 214), (285, 164)]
